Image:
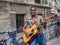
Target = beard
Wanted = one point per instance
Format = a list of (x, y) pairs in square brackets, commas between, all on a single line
[(33, 14)]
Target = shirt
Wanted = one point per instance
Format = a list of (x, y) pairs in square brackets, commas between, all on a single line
[(30, 22)]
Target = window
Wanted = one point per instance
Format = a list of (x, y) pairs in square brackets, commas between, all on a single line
[(38, 1), (48, 12), (19, 20), (43, 11), (44, 1)]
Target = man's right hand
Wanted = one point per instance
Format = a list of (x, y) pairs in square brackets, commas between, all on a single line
[(24, 30)]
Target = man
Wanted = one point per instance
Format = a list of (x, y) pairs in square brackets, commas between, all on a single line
[(56, 19), (39, 20)]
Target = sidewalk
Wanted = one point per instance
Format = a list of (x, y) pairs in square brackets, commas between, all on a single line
[(55, 41)]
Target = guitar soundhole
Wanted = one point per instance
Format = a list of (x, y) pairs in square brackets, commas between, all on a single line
[(31, 32)]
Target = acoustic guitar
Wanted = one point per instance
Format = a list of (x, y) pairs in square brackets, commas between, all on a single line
[(31, 33)]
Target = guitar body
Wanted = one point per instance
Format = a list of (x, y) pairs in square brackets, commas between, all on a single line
[(32, 32)]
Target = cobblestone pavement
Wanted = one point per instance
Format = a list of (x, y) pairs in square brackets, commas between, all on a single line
[(55, 41)]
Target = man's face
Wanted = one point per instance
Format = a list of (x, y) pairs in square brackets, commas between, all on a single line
[(33, 11)]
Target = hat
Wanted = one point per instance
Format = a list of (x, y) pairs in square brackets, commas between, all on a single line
[(54, 11)]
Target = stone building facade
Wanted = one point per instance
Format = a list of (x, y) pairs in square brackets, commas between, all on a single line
[(9, 9), (14, 12)]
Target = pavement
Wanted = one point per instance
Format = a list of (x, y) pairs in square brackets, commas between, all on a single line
[(55, 41)]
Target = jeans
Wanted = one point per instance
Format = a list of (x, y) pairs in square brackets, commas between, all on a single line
[(39, 39)]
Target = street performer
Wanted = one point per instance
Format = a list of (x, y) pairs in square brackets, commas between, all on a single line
[(38, 20)]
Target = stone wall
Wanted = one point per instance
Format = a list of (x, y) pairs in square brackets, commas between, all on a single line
[(4, 19), (18, 9), (4, 16)]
